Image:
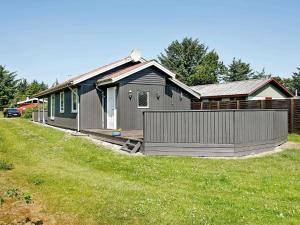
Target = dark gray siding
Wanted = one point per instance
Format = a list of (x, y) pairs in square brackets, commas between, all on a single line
[(129, 115), (176, 98), (153, 80), (67, 119), (90, 107), (213, 133), (70, 123), (150, 76)]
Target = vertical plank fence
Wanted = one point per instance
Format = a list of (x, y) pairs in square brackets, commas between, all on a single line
[(213, 132), (292, 105)]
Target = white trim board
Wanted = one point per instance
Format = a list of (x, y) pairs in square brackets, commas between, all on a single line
[(110, 67), (150, 63)]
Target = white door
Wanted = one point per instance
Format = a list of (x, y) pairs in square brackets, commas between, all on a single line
[(111, 108)]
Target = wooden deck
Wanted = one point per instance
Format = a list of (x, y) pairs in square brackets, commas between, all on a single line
[(106, 135)]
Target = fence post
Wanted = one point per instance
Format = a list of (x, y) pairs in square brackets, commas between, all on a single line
[(237, 104), (201, 105), (292, 114), (262, 104)]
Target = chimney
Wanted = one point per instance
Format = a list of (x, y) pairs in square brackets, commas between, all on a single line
[(296, 93), (27, 98)]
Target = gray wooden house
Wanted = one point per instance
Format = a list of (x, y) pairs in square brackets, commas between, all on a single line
[(115, 95)]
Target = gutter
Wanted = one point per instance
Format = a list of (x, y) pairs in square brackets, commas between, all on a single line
[(52, 90)]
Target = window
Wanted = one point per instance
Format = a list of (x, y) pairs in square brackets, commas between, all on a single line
[(143, 99), (52, 107), (74, 101), (62, 102)]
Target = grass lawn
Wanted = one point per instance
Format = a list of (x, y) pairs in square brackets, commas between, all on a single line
[(72, 181), (294, 137)]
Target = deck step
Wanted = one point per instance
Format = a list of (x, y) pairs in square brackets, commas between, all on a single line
[(131, 147)]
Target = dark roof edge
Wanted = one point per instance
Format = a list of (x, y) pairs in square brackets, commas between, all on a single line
[(277, 83)]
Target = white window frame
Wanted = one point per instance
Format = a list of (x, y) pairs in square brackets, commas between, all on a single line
[(52, 107), (62, 102), (148, 100), (72, 94)]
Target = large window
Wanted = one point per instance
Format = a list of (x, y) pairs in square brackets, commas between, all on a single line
[(52, 107), (62, 102), (74, 101), (143, 99)]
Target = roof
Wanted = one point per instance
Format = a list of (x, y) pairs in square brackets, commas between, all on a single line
[(30, 100), (85, 76), (121, 74), (237, 88), (116, 76)]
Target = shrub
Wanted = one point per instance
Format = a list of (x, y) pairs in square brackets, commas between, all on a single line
[(14, 193), (6, 166), (28, 113), (28, 198)]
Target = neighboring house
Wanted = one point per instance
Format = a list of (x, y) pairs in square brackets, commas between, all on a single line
[(243, 90), (114, 96), (29, 103)]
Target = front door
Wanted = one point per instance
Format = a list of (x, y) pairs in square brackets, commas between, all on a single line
[(111, 108)]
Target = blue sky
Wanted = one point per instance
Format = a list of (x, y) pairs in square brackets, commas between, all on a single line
[(45, 40)]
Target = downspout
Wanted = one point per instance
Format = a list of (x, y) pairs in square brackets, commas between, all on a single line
[(78, 107), (102, 110)]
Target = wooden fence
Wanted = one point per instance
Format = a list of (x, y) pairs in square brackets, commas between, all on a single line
[(213, 132), (292, 105)]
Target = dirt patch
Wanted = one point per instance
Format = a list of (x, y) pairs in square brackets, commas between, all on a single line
[(14, 211)]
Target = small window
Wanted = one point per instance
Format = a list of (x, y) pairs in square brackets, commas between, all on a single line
[(74, 101), (143, 99), (62, 102), (52, 107)]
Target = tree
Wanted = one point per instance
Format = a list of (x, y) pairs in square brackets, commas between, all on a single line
[(35, 87), (55, 83), (238, 70), (292, 83), (208, 71), (261, 75), (183, 57), (20, 93), (296, 81), (8, 85)]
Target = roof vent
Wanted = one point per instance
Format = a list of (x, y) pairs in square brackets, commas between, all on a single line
[(135, 55)]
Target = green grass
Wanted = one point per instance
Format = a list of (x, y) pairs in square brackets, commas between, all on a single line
[(6, 165), (75, 179), (294, 137)]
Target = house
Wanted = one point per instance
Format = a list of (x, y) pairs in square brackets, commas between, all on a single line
[(114, 96), (257, 89), (29, 103)]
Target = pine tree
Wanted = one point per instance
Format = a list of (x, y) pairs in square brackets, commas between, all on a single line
[(238, 71), (8, 85)]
